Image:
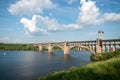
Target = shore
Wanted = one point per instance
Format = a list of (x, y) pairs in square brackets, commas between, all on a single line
[(106, 68)]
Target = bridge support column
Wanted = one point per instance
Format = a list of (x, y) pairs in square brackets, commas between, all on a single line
[(40, 47), (66, 48), (98, 47), (50, 48)]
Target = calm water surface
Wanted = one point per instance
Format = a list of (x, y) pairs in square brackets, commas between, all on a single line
[(26, 65)]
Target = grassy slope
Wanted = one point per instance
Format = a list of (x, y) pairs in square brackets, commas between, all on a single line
[(102, 70)]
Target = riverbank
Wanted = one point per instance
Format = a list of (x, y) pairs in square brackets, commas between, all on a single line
[(101, 70), (17, 47), (104, 55)]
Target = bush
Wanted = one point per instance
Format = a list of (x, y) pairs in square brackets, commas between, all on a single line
[(104, 56)]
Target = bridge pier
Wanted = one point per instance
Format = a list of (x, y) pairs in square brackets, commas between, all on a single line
[(40, 47), (50, 48), (98, 47), (66, 48)]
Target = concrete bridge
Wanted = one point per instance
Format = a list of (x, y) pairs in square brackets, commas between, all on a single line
[(94, 46)]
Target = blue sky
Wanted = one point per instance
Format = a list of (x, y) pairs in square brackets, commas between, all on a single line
[(35, 21)]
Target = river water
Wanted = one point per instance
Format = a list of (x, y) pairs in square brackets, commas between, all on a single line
[(26, 65)]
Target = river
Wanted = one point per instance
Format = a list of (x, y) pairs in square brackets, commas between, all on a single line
[(26, 65)]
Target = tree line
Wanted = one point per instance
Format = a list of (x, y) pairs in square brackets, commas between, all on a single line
[(17, 47)]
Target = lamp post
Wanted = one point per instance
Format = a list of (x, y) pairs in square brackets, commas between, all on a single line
[(100, 34)]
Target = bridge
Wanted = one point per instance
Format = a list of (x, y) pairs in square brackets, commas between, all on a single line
[(94, 46)]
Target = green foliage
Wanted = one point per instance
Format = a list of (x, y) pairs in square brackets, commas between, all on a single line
[(104, 56), (104, 70), (17, 47), (74, 48), (56, 48), (45, 48)]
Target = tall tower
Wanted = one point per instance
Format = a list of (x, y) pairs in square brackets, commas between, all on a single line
[(100, 34)]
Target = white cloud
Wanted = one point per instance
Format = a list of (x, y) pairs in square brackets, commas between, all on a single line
[(71, 1), (30, 6), (71, 27), (82, 1), (30, 25), (89, 15), (45, 25), (39, 24), (111, 17)]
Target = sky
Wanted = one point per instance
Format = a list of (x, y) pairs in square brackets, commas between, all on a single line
[(37, 21)]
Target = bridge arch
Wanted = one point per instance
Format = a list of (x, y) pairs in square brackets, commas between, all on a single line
[(37, 47), (58, 46), (85, 47), (44, 46)]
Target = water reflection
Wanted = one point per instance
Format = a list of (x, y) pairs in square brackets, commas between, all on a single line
[(50, 55), (26, 65), (4, 53), (66, 57)]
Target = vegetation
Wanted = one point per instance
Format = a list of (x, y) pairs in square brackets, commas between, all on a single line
[(101, 70), (104, 56), (56, 48), (17, 47), (45, 48)]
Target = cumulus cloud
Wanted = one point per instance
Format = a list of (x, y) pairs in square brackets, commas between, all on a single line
[(82, 1), (30, 6), (39, 24), (111, 17), (71, 27), (89, 15), (31, 27)]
